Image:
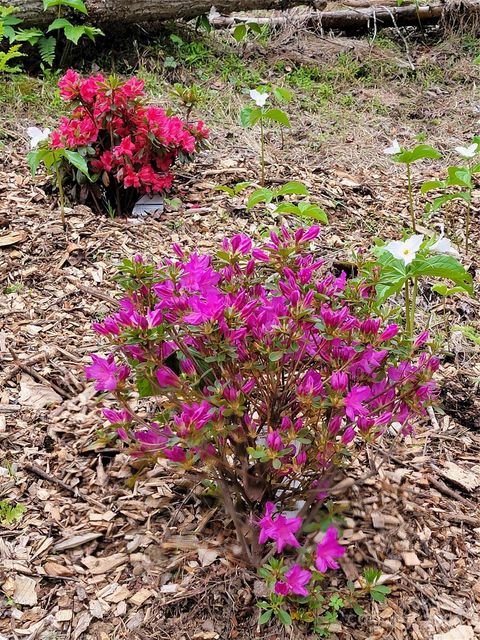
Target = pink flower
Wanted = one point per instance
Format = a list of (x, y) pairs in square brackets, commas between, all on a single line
[(167, 378), (106, 372), (280, 529), (389, 333), (422, 339), (294, 581), (125, 148), (274, 441), (117, 416), (339, 381), (354, 399), (327, 550), (348, 435)]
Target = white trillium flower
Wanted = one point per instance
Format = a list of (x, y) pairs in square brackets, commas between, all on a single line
[(467, 152), (37, 135), (394, 149), (406, 250), (258, 97), (444, 245)]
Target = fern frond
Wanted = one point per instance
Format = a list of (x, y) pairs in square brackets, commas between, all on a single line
[(47, 46)]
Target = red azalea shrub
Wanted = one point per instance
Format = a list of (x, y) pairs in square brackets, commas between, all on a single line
[(130, 147), (260, 371)]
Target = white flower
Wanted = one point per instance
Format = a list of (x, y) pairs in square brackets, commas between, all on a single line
[(406, 250), (258, 97), (467, 152), (37, 135), (444, 245), (394, 149)]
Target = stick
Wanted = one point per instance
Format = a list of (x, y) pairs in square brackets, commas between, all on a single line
[(38, 376), (32, 468), (91, 291)]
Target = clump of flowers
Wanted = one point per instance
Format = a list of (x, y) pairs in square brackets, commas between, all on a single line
[(260, 371), (129, 147)]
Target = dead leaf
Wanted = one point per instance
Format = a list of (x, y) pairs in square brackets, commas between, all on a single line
[(36, 395), (14, 237), (25, 591), (207, 556), (141, 596), (56, 570), (81, 624), (460, 476), (462, 632)]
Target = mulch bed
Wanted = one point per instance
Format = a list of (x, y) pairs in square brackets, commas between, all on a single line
[(98, 557)]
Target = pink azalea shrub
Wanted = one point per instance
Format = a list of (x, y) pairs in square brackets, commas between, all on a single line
[(130, 147), (257, 369)]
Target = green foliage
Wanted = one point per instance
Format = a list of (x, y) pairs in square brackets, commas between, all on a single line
[(420, 152), (233, 191), (10, 513), (8, 22)]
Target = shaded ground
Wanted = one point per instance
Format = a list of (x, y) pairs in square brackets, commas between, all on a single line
[(156, 560)]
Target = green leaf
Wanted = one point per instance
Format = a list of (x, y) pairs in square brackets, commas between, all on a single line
[(74, 33), (240, 186), (292, 188), (459, 177), (358, 610), (47, 47), (249, 116), (277, 115), (312, 211), (78, 161), (275, 356), (265, 617), (284, 617), (37, 156), (240, 32), (444, 291), (255, 27), (276, 463), (430, 185), (258, 196), (420, 152), (441, 200), (382, 588), (442, 266), (377, 596), (145, 388), (226, 189), (282, 94), (59, 23), (78, 5)]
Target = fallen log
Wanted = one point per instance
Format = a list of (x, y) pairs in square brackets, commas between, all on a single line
[(121, 12), (358, 20)]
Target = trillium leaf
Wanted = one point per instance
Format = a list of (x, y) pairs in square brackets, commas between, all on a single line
[(59, 23), (430, 185), (420, 152), (249, 116), (78, 5), (292, 188), (442, 266), (258, 196), (441, 200), (277, 115), (288, 207), (282, 94), (443, 290), (459, 177), (74, 33), (240, 32), (78, 161)]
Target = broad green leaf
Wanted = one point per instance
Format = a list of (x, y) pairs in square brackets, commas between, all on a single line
[(258, 196), (430, 185), (78, 5), (74, 32), (420, 152), (312, 211), (240, 32), (240, 186), (37, 156), (292, 188), (255, 27), (277, 115), (59, 23), (378, 596), (275, 356), (145, 388), (249, 116), (444, 291), (459, 177), (78, 161), (441, 200), (442, 266), (276, 463), (28, 35), (288, 207), (282, 94)]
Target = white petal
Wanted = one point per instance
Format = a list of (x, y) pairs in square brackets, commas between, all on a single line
[(394, 149), (33, 132), (396, 247), (414, 242), (444, 245)]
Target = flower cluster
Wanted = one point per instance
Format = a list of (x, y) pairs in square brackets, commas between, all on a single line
[(125, 142), (258, 369)]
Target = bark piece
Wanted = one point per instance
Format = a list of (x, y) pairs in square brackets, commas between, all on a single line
[(462, 632), (25, 591), (460, 476), (76, 541)]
